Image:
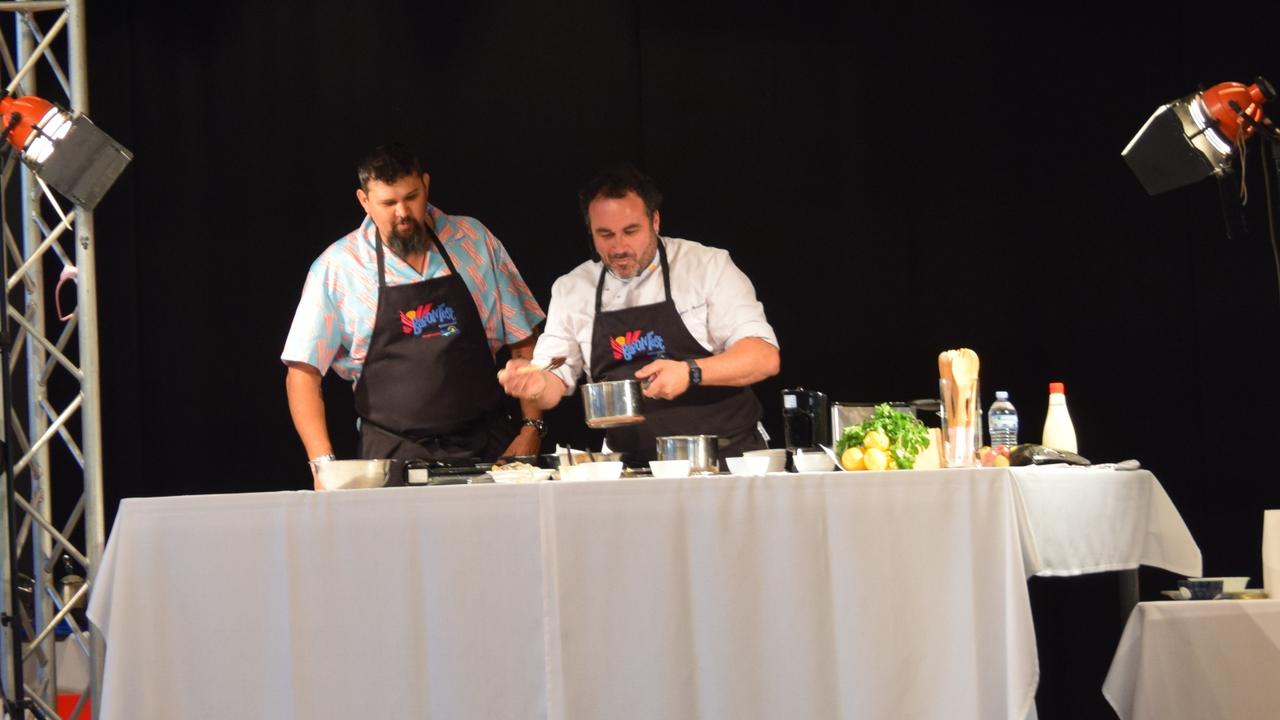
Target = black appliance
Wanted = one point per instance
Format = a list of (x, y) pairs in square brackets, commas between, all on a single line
[(806, 418)]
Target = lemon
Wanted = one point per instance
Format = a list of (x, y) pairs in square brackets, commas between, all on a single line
[(875, 459), (876, 439), (893, 464), (852, 459)]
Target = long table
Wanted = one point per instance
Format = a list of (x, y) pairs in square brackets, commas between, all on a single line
[(832, 595)]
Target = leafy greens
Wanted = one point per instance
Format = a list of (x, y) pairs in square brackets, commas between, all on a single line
[(908, 437)]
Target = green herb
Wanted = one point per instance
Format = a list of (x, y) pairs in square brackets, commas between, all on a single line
[(908, 437)]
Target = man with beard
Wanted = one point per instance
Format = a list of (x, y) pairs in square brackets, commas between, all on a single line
[(411, 307), (676, 315)]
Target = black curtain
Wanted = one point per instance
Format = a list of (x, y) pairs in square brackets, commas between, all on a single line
[(896, 181)]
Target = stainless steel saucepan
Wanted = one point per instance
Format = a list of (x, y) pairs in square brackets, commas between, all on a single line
[(613, 404), (702, 451)]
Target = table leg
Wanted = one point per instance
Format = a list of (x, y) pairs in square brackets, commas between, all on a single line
[(1128, 586)]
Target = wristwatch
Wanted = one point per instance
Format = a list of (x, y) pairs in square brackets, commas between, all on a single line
[(536, 424), (695, 372), (327, 457)]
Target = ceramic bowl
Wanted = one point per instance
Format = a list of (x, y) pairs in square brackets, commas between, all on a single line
[(754, 465), (670, 468), (1200, 588), (812, 462), (777, 458)]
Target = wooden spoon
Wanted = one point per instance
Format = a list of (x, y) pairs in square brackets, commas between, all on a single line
[(965, 368), (946, 372)]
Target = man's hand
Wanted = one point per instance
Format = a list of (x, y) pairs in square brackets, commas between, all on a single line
[(521, 379), (664, 379), (526, 442)]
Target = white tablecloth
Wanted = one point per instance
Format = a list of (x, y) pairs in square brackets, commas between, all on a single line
[(1087, 520), (1198, 660), (868, 595)]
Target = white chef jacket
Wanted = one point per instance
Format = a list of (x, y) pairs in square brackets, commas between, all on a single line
[(714, 298)]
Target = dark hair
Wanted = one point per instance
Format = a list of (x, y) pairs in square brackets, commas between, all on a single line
[(616, 182), (387, 163)]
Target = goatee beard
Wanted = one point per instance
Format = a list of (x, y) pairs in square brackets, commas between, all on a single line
[(406, 244)]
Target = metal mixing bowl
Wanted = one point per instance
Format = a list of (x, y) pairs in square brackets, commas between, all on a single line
[(351, 474)]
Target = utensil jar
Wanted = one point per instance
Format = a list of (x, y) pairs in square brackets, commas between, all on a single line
[(961, 423)]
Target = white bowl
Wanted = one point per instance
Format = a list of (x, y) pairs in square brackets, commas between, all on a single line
[(777, 458), (755, 465), (574, 473), (812, 462), (670, 468), (609, 470)]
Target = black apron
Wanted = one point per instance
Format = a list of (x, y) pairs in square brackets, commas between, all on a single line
[(623, 341), (429, 388)]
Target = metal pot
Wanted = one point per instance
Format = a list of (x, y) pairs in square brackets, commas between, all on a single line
[(351, 474), (702, 451), (612, 404)]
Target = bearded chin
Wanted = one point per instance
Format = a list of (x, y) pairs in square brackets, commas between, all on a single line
[(407, 243)]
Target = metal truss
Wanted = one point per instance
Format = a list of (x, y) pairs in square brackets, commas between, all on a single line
[(54, 411)]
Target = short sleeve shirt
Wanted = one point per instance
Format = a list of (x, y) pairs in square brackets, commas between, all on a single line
[(334, 321)]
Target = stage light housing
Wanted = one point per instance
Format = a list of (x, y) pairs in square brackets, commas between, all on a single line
[(65, 150), (1191, 138)]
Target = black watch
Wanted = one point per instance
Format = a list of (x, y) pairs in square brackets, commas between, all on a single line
[(695, 372), (536, 424)]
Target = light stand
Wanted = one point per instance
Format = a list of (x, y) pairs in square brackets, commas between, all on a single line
[(14, 708), (71, 155)]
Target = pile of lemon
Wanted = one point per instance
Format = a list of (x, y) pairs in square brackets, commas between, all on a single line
[(873, 455)]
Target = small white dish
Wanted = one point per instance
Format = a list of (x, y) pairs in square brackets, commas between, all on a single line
[(754, 465), (607, 470), (574, 473), (518, 477), (812, 462), (670, 468), (777, 458)]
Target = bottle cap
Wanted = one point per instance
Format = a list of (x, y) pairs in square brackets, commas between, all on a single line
[(1056, 387), (1002, 394)]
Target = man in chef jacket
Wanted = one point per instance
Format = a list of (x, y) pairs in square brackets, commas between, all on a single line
[(676, 315)]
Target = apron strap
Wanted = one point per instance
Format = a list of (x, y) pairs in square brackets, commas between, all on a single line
[(382, 271), (666, 277)]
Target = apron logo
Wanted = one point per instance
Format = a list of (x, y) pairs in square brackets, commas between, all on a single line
[(427, 321), (627, 346)]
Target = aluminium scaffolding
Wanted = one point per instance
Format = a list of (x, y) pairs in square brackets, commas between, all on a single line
[(54, 411)]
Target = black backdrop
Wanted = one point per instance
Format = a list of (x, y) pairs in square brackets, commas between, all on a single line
[(895, 181)]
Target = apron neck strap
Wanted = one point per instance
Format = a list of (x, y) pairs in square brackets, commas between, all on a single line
[(435, 240), (666, 276)]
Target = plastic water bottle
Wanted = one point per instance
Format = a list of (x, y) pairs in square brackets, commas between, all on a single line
[(1059, 433), (1002, 421)]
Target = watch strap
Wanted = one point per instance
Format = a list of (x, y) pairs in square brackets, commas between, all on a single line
[(695, 372)]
